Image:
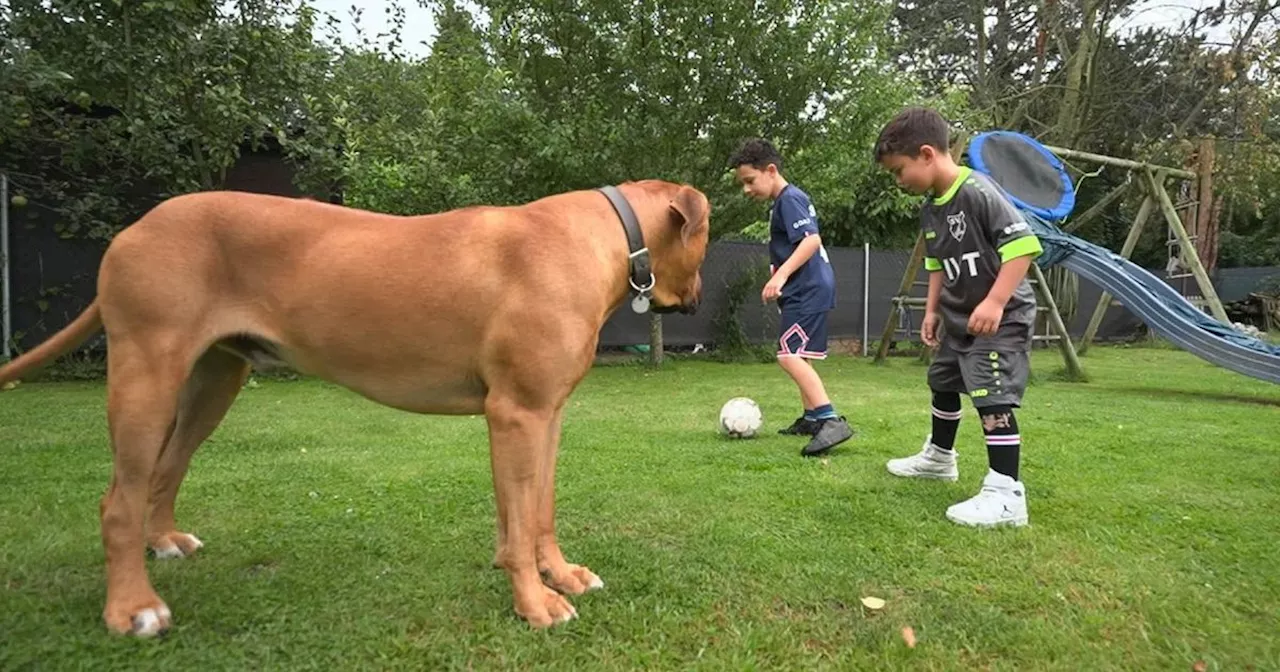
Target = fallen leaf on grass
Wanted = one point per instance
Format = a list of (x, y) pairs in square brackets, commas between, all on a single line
[(909, 636), (873, 603)]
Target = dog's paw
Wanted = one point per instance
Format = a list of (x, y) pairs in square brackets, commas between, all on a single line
[(175, 545), (551, 609), (148, 620), (572, 579)]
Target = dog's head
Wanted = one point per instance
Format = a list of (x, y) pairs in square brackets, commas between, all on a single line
[(677, 242)]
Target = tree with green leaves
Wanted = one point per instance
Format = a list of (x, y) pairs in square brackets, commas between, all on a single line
[(1070, 73), (549, 96), (113, 104)]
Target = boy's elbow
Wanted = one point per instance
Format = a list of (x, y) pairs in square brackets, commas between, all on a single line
[(1019, 264)]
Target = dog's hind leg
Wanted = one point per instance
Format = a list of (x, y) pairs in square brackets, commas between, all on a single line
[(208, 393), (143, 383), (559, 574), (518, 436)]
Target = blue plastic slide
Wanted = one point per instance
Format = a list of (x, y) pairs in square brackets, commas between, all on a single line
[(1034, 179), (1160, 306)]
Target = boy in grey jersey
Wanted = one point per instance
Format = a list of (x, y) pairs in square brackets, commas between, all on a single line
[(979, 314)]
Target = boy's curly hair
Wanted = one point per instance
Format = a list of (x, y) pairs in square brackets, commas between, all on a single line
[(757, 153)]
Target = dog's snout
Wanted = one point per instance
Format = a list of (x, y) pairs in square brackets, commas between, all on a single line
[(691, 307)]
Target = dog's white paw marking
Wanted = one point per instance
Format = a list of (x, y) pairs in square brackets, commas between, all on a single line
[(170, 550), (568, 615), (150, 622), (167, 552), (596, 583)]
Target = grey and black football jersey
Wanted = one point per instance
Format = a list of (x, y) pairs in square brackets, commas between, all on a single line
[(970, 231)]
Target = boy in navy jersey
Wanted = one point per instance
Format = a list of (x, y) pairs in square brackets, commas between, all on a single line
[(804, 286)]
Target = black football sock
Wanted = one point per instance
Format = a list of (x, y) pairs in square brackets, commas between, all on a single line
[(1003, 442), (946, 419)]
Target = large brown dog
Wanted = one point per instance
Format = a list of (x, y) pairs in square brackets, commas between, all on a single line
[(430, 314)]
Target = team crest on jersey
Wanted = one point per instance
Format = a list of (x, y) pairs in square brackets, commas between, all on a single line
[(957, 225)]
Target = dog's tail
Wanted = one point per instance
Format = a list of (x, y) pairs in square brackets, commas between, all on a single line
[(71, 337)]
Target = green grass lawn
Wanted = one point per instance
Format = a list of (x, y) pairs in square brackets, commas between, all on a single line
[(344, 535)]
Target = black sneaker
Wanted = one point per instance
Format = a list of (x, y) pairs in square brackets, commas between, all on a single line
[(831, 433), (801, 427)]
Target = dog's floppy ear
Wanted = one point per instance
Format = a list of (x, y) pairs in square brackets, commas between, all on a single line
[(691, 209)]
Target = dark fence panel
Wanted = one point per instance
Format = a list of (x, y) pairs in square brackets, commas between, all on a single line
[(727, 261), (730, 263), (55, 278)]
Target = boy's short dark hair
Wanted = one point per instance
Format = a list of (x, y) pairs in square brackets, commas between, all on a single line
[(757, 153), (913, 128)]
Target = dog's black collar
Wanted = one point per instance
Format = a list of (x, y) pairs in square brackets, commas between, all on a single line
[(641, 277)]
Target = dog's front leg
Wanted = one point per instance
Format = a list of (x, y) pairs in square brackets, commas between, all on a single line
[(559, 574), (518, 443)]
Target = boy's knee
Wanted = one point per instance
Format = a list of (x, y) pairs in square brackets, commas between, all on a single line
[(791, 362)]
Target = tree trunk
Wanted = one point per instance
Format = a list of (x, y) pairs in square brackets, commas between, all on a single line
[(1099, 43), (1209, 209), (1189, 191), (1000, 67), (981, 92), (1069, 122)]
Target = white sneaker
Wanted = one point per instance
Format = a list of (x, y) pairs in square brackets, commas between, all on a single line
[(930, 462), (1002, 501)]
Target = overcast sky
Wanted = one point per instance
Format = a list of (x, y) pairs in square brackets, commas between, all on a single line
[(419, 26)]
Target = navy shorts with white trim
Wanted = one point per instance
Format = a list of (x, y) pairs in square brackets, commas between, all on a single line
[(802, 334)]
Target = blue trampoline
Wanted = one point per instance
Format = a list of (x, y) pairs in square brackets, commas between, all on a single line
[(1035, 180)]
